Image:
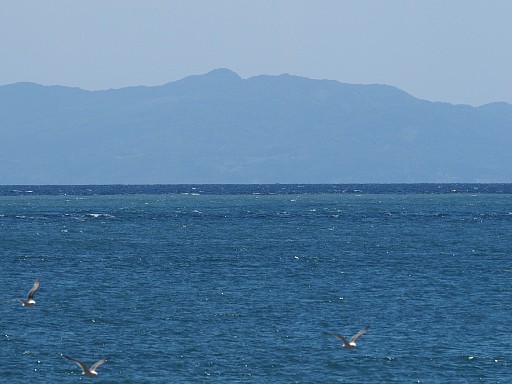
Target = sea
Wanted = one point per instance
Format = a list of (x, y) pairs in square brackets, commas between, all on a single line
[(247, 283)]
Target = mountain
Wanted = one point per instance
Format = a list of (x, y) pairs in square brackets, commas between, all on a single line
[(220, 128)]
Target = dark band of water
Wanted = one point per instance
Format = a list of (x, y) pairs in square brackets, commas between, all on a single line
[(249, 189)]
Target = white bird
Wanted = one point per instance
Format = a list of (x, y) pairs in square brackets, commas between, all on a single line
[(351, 344), (85, 370), (30, 302)]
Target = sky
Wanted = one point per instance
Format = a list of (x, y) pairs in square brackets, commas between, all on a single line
[(456, 51)]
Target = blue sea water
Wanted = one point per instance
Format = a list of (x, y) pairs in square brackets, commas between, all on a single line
[(241, 284)]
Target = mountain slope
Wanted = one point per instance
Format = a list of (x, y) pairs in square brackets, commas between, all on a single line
[(219, 128)]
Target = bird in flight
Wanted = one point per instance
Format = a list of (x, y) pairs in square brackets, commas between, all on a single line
[(85, 370), (351, 344), (30, 302)]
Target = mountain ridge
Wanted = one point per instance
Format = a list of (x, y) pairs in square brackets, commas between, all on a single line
[(220, 128)]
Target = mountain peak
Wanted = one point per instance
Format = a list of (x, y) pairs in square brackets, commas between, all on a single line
[(220, 76), (223, 74)]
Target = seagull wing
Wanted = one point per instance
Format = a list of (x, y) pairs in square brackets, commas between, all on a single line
[(359, 334), (82, 365), (96, 365), (345, 342), (32, 292)]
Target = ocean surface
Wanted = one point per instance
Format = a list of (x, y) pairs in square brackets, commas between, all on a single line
[(244, 283)]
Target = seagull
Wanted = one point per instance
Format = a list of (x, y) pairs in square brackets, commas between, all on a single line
[(30, 302), (352, 343), (85, 370)]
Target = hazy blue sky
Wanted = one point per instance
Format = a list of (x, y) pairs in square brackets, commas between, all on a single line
[(459, 51)]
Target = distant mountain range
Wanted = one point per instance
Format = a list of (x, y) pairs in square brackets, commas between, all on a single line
[(220, 128)]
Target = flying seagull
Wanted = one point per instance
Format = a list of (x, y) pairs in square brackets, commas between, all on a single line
[(352, 343), (30, 302), (85, 370)]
